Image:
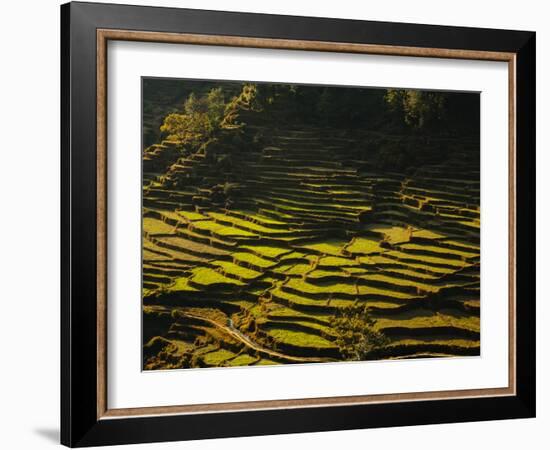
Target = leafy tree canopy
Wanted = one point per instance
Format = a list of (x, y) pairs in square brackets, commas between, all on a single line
[(187, 129), (419, 109), (204, 115), (356, 336)]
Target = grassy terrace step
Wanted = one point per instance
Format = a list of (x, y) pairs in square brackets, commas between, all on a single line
[(152, 255), (212, 228), (442, 221), (314, 213), (162, 271), (213, 279), (294, 268), (302, 211), (165, 262), (203, 237), (276, 215), (171, 254), (385, 262), (308, 196), (154, 227), (333, 247), (265, 185), (450, 332), (314, 224), (344, 290), (469, 230), (276, 161), (291, 315), (304, 326), (463, 213), (401, 284), (336, 261), (252, 261), (239, 272), (447, 347), (313, 181), (165, 204), (359, 181), (423, 319), (252, 216), (252, 227), (363, 246), (302, 193), (440, 195), (411, 275), (431, 262), (449, 183), (170, 201), (302, 344), (441, 205), (163, 193), (454, 244), (282, 169), (187, 246), (267, 251), (436, 251), (385, 280), (174, 298), (303, 303), (448, 197)]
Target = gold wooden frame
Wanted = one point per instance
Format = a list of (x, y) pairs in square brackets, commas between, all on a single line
[(104, 35)]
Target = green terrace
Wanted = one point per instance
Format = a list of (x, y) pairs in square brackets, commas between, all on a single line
[(260, 279)]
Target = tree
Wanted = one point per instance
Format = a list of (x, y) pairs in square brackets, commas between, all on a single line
[(195, 105), (215, 101), (188, 129), (247, 100), (419, 109), (355, 335), (201, 117)]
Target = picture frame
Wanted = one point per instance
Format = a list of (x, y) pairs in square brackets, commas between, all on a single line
[(86, 29)]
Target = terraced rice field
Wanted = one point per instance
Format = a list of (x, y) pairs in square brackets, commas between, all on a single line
[(311, 231)]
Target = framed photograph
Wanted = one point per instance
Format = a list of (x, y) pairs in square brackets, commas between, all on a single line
[(276, 224)]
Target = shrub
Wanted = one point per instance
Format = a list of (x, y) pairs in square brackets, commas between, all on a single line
[(247, 100), (200, 119), (203, 117), (212, 104), (187, 129), (355, 334)]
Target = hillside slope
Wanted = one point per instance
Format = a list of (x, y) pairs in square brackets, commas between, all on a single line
[(311, 225)]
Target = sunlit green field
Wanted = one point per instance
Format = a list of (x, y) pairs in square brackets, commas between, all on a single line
[(314, 230)]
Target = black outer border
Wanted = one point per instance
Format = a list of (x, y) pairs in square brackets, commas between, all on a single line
[(79, 425)]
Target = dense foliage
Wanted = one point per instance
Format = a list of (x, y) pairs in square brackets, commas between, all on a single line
[(355, 334), (418, 108), (205, 116), (200, 118), (247, 100)]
